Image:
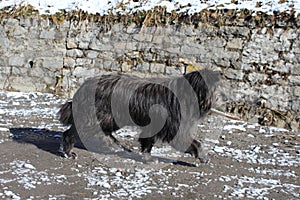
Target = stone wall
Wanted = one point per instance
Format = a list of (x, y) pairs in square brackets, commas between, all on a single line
[(260, 64)]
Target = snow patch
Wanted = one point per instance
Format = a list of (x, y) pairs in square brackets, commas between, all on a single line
[(29, 177), (254, 155), (133, 185), (28, 166), (237, 127), (9, 194), (244, 189), (4, 129)]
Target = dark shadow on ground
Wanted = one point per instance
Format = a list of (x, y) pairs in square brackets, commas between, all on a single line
[(44, 139), (48, 140)]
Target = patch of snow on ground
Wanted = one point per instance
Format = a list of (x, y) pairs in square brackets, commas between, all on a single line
[(273, 172), (254, 155), (10, 195), (166, 151), (237, 127), (131, 184), (29, 177), (244, 189), (42, 106), (127, 133)]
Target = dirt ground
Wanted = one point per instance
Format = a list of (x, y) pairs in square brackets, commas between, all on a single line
[(247, 161)]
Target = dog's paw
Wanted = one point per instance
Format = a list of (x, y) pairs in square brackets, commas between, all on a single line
[(71, 155), (147, 158), (204, 159)]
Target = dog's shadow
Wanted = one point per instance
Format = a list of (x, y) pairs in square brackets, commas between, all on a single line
[(44, 139), (49, 141)]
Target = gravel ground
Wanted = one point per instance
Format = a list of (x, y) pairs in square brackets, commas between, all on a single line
[(247, 161)]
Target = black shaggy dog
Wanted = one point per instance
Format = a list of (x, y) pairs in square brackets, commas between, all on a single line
[(166, 109)]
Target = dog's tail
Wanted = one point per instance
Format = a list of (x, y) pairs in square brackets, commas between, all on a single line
[(65, 114)]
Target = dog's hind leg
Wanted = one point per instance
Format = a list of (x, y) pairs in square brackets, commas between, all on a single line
[(146, 146), (68, 141), (116, 141)]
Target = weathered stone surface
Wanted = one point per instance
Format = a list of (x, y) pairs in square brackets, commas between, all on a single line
[(233, 31), (131, 46), (235, 43), (69, 62), (99, 46), (5, 69), (120, 45), (91, 54), (143, 67), (234, 74), (173, 50), (75, 53), (84, 72), (3, 81), (297, 91), (25, 22), (19, 71), (236, 64), (173, 71), (83, 61), (111, 66), (106, 55), (53, 51), (4, 42), (53, 64), (290, 57), (282, 45), (125, 67), (48, 34), (133, 28), (190, 50), (215, 42), (294, 80), (34, 33), (294, 106), (290, 34), (158, 39), (157, 68), (296, 46), (37, 72), (256, 77), (21, 83), (71, 45), (142, 37), (83, 45), (98, 63), (20, 31), (11, 22), (276, 79), (16, 60)]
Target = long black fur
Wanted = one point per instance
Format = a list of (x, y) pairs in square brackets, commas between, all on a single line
[(144, 94)]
